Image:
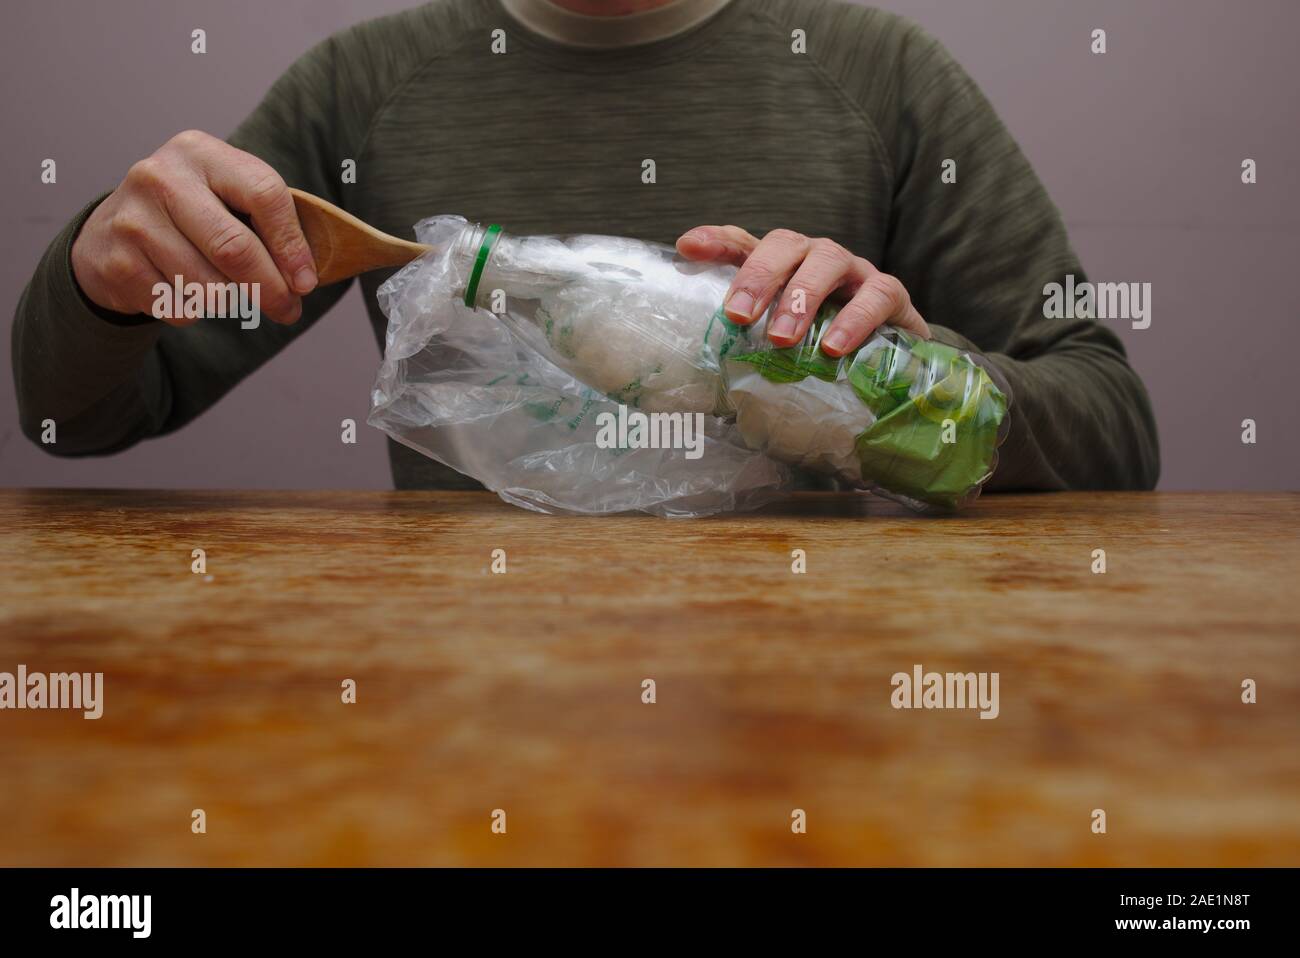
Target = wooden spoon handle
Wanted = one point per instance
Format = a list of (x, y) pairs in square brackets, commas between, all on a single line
[(343, 246)]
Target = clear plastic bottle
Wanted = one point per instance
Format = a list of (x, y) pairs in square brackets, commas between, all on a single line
[(911, 418), (629, 318)]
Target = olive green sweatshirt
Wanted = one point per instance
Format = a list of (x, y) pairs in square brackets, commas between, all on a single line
[(818, 116)]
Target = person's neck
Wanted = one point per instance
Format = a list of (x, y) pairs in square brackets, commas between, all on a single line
[(611, 24), (609, 8)]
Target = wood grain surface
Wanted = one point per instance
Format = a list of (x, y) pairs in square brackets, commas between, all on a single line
[(478, 691)]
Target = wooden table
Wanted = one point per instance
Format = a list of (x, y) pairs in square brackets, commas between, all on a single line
[(523, 692)]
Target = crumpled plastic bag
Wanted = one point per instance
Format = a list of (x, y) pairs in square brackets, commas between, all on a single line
[(581, 328), (463, 387)]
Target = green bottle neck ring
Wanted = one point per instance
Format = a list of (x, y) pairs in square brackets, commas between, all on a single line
[(490, 237)]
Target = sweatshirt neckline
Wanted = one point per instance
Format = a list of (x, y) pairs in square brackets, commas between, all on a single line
[(550, 26)]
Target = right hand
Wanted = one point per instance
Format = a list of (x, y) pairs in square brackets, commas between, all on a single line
[(172, 216)]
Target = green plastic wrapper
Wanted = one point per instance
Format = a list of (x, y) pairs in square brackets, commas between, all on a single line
[(905, 417)]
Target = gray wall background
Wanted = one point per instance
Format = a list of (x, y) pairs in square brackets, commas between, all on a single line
[(1141, 148)]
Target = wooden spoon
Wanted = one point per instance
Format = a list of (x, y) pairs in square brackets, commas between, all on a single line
[(343, 246)]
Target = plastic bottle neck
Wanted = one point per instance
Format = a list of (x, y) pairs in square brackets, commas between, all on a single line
[(473, 249)]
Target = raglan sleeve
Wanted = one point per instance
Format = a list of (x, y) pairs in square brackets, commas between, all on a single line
[(978, 256), (109, 380)]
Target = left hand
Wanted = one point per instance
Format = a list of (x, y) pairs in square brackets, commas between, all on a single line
[(790, 263)]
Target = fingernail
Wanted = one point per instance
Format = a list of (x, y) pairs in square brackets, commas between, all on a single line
[(835, 340), (304, 281), (742, 305), (783, 327)]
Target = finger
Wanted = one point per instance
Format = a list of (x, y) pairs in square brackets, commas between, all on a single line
[(234, 250), (178, 260), (170, 250), (826, 268), (250, 186), (766, 270), (131, 279), (727, 244), (881, 299)]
